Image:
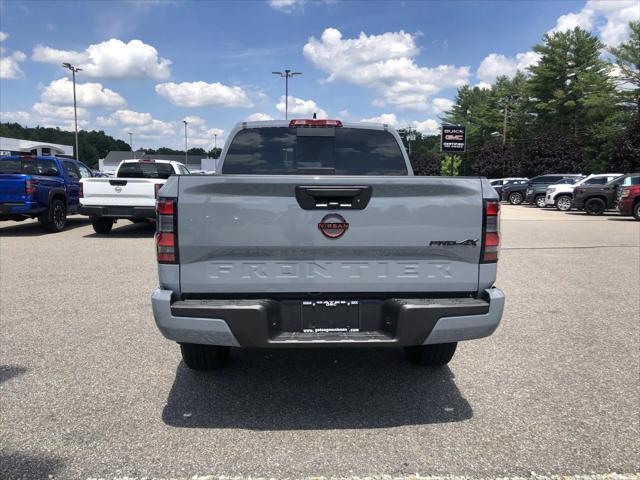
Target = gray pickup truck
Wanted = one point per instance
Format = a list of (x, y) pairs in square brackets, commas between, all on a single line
[(316, 233)]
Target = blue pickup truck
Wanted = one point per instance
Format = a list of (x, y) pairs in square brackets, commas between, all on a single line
[(42, 187)]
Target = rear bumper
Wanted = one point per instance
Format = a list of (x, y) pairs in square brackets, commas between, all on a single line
[(26, 209), (253, 323), (116, 211)]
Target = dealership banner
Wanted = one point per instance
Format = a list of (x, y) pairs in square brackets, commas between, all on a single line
[(452, 139)]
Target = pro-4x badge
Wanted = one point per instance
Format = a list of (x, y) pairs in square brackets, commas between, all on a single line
[(450, 243)]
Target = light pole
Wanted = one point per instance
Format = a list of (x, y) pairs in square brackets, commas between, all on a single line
[(287, 74), (131, 144), (215, 141), (75, 109), (186, 159), (411, 137)]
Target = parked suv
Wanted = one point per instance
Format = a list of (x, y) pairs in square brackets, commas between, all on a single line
[(537, 188), (595, 199), (560, 194), (499, 183), (514, 191), (629, 197), (43, 187)]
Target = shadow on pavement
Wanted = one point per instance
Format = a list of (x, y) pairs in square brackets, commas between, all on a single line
[(314, 389), (28, 228), (126, 229), (14, 466), (584, 214), (7, 372), (620, 218)]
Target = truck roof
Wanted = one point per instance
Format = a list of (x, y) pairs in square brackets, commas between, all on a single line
[(287, 123)]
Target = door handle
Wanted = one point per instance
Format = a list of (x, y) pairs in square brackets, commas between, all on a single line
[(333, 198)]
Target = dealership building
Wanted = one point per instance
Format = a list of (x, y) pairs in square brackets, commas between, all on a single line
[(16, 146)]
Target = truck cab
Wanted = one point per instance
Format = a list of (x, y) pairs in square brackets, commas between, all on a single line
[(43, 187)]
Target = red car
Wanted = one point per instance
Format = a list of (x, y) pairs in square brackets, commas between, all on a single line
[(629, 197)]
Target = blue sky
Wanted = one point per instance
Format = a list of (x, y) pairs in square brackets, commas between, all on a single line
[(147, 65)]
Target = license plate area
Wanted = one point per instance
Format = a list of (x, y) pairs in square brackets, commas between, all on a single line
[(330, 316)]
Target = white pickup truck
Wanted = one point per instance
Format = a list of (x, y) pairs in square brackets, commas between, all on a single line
[(131, 194)]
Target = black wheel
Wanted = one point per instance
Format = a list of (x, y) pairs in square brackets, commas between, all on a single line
[(595, 206), (56, 218), (539, 201), (102, 225), (204, 357), (515, 198), (563, 203), (431, 355), (636, 211)]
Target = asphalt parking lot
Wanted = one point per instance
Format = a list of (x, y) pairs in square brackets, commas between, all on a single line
[(89, 388)]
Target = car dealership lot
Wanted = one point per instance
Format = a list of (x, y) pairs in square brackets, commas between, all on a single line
[(89, 388)]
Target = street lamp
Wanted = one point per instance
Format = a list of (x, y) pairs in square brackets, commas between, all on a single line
[(186, 160), (215, 141), (75, 110), (411, 137), (287, 74), (131, 144)]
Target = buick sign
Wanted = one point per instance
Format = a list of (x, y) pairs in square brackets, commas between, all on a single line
[(452, 139)]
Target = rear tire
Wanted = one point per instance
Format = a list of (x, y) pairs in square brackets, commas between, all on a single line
[(636, 211), (595, 206), (102, 226), (431, 355), (55, 219), (516, 198), (539, 201), (563, 203), (204, 357)]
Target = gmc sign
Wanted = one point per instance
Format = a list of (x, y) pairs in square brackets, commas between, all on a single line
[(452, 139)]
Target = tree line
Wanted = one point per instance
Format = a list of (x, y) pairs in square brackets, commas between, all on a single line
[(93, 144), (577, 110)]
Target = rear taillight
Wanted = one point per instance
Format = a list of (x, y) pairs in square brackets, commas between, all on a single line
[(314, 123), (491, 232), (81, 191), (166, 234), (157, 187), (30, 187), (624, 192)]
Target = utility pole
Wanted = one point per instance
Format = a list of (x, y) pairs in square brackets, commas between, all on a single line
[(186, 159), (286, 74), (504, 122), (75, 109), (215, 141), (131, 145)]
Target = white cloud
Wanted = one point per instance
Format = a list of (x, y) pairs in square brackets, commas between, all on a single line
[(258, 116), (388, 118), (48, 111), (483, 85), (343, 113), (111, 59), (47, 115), (384, 62), (285, 5), (441, 105), (609, 18), (201, 94), (583, 19), (3, 36), (10, 65), (90, 95), (427, 127), (303, 108), (142, 124), (496, 64), (21, 117)]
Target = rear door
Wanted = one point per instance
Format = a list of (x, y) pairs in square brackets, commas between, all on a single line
[(72, 177)]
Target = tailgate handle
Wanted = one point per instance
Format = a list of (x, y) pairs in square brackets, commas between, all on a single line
[(117, 182), (333, 198)]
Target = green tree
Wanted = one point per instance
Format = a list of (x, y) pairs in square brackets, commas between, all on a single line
[(628, 62)]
